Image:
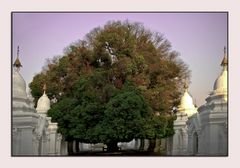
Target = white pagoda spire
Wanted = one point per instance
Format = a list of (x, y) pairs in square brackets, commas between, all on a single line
[(43, 104), (186, 104), (220, 85)]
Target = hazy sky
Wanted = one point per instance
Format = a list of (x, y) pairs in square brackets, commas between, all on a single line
[(198, 37)]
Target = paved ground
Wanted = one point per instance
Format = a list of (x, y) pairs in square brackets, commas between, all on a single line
[(119, 153)]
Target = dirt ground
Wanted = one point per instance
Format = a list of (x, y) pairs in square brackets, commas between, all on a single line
[(118, 153)]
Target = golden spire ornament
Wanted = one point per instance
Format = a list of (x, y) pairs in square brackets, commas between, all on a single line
[(17, 62), (225, 60), (185, 86), (44, 88)]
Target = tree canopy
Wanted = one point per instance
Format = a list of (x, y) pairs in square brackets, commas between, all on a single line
[(119, 83)]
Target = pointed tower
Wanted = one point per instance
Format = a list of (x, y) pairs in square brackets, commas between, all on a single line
[(17, 62), (188, 107), (24, 117), (186, 104), (54, 141), (220, 85), (43, 104), (19, 84), (185, 110), (32, 133), (213, 114)]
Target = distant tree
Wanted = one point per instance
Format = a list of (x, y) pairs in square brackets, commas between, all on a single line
[(96, 72)]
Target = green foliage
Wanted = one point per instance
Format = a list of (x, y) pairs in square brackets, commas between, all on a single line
[(111, 85), (124, 117), (62, 112), (36, 87)]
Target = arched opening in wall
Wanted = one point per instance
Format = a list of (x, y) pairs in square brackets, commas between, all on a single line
[(195, 143)]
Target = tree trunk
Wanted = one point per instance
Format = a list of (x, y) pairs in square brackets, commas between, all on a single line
[(77, 146), (112, 147), (142, 143), (152, 144), (70, 147)]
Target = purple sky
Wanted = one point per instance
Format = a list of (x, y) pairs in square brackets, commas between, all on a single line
[(198, 37)]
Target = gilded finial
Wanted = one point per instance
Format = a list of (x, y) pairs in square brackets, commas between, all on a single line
[(44, 88), (185, 85), (17, 62), (224, 62), (18, 51), (195, 102)]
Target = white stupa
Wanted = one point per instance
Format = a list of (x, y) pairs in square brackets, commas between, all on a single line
[(214, 114), (21, 102), (186, 104), (32, 132), (221, 84), (24, 116), (43, 104), (185, 110), (203, 131)]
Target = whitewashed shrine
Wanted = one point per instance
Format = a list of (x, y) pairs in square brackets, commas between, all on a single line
[(203, 131), (33, 133)]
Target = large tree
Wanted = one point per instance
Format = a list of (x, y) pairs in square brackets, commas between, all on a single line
[(95, 75)]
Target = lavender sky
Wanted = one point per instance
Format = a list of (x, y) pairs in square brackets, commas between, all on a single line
[(198, 37)]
